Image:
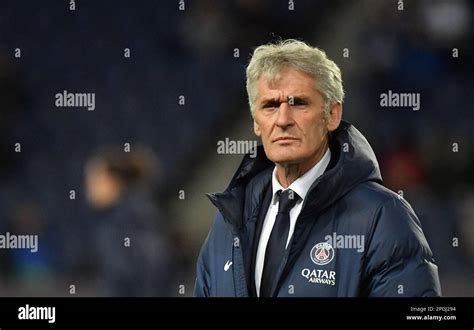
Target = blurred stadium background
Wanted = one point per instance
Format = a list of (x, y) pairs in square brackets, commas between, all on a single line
[(173, 159)]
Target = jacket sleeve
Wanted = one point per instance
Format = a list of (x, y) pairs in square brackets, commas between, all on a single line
[(205, 263), (202, 284), (399, 260)]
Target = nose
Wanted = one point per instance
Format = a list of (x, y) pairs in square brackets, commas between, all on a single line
[(285, 117)]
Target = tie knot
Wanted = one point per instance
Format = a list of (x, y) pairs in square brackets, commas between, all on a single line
[(288, 199)]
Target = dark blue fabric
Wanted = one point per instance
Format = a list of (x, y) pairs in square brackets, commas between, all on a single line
[(349, 201)]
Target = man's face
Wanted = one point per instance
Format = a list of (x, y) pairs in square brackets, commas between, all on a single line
[(289, 118)]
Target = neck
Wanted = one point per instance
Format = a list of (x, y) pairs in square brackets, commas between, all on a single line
[(287, 173)]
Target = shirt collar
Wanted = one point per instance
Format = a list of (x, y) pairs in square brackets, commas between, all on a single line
[(303, 183)]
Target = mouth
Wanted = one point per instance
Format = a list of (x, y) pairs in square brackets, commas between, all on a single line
[(285, 139)]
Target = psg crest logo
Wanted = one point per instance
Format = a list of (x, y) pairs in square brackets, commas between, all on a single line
[(322, 253)]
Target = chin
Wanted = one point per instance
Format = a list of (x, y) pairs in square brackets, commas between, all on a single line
[(284, 158)]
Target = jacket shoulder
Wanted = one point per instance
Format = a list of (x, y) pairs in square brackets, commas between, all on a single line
[(362, 205), (375, 194), (386, 213)]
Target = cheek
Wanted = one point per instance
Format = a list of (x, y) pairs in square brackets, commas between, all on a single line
[(265, 131), (313, 135), (313, 128)]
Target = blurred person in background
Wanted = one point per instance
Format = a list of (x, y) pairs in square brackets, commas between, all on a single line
[(132, 251)]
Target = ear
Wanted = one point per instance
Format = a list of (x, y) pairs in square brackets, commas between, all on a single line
[(256, 128), (334, 117)]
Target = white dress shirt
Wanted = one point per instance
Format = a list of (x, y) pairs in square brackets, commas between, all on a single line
[(299, 186)]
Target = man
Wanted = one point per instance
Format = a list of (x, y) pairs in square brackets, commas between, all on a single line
[(309, 215), (128, 235)]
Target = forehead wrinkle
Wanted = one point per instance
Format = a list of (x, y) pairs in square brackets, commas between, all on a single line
[(295, 91), (270, 80), (300, 90)]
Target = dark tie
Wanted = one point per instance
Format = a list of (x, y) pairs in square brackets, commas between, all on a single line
[(277, 242)]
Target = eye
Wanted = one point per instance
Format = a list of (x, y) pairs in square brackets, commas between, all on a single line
[(297, 102), (270, 105)]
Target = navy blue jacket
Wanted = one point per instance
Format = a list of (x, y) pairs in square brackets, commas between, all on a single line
[(347, 204)]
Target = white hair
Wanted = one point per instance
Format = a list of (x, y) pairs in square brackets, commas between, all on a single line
[(268, 60)]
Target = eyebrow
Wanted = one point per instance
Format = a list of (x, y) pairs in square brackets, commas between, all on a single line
[(276, 101)]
